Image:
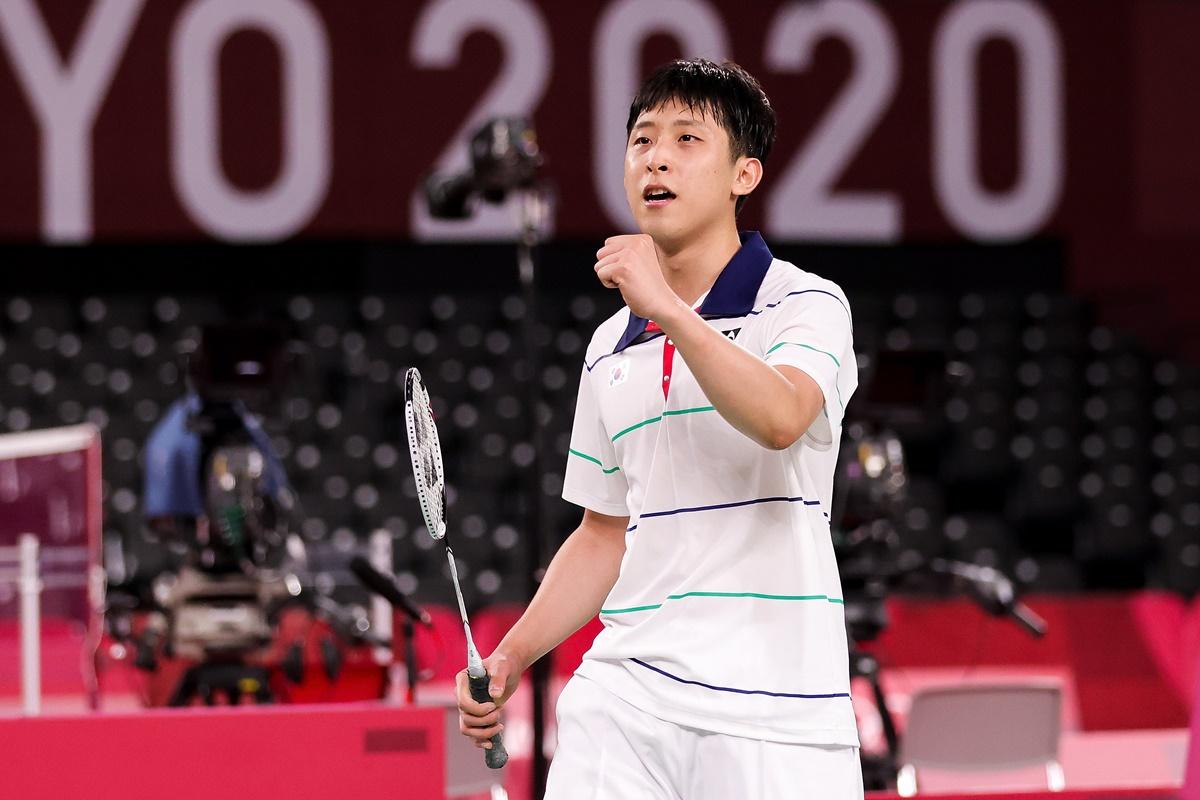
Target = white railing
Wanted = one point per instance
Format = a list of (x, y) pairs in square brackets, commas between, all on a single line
[(29, 588)]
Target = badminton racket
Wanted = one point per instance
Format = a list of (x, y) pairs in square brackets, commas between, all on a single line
[(426, 451)]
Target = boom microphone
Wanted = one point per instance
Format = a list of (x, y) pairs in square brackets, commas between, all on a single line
[(386, 588), (994, 591)]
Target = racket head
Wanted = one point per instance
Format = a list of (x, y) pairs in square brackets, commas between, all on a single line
[(425, 451)]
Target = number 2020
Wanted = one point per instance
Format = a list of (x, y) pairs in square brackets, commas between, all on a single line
[(803, 202)]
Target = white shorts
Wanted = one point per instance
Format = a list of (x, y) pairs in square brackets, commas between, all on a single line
[(609, 750)]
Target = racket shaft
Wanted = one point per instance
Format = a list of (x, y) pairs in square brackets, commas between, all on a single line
[(462, 606), (497, 757)]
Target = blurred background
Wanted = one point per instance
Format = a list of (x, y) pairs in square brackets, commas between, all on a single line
[(219, 247)]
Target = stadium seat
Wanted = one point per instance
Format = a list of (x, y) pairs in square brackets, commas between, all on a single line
[(1010, 726), (1063, 430)]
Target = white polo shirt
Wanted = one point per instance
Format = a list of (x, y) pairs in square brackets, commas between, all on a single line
[(727, 615)]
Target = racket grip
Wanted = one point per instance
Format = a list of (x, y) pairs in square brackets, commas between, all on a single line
[(497, 757)]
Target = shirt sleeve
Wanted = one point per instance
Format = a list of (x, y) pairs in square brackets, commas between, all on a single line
[(812, 332), (593, 478)]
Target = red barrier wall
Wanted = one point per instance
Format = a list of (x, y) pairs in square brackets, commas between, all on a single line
[(1132, 655), (353, 751)]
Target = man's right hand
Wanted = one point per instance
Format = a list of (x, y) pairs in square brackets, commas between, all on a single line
[(579, 577), (481, 721)]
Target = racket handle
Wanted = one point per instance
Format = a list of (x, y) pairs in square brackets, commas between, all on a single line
[(497, 757)]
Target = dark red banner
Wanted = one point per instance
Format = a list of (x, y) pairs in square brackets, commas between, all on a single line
[(991, 120)]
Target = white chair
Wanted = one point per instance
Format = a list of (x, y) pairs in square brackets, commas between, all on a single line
[(985, 727)]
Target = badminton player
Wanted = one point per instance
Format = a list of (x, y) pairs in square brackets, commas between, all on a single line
[(702, 453)]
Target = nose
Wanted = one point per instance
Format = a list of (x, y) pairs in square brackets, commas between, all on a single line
[(655, 161)]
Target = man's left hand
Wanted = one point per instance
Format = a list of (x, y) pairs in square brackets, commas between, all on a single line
[(630, 263)]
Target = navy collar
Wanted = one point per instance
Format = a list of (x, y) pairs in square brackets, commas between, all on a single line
[(733, 293)]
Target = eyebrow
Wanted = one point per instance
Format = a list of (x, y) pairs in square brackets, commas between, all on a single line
[(676, 122)]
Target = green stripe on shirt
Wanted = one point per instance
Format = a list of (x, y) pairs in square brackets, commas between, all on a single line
[(806, 347), (594, 460), (836, 388), (757, 595), (671, 413)]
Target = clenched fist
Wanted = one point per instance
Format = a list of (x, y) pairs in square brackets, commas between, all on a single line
[(630, 263)]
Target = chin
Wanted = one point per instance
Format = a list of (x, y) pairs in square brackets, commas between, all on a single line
[(664, 232)]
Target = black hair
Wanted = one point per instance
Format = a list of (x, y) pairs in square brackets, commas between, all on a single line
[(725, 92)]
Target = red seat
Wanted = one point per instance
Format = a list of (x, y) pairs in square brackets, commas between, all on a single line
[(441, 652), (569, 654), (490, 624)]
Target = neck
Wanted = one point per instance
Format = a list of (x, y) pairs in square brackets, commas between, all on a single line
[(692, 268)]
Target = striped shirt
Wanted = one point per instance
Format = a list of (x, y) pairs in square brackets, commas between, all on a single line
[(727, 615)]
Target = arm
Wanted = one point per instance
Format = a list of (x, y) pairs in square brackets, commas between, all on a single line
[(580, 576), (772, 405)]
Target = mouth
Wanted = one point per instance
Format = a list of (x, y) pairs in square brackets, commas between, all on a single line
[(656, 196)]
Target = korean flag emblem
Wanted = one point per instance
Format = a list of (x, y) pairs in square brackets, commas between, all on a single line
[(619, 373)]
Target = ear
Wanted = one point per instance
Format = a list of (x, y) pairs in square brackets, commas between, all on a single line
[(747, 174)]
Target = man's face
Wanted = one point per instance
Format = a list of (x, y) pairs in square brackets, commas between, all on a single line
[(679, 175)]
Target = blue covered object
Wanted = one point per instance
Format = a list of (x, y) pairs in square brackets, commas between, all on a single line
[(173, 484)]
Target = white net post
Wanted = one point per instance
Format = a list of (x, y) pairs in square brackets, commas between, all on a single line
[(30, 587), (52, 486), (379, 553)]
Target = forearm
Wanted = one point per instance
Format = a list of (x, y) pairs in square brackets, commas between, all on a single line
[(579, 577), (752, 396)]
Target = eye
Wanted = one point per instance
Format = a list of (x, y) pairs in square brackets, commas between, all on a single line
[(642, 140), (688, 137)]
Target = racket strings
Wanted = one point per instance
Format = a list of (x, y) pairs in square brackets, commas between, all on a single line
[(426, 452), (430, 480)]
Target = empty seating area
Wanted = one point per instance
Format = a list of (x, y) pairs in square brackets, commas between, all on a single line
[(1061, 451), (1065, 454)]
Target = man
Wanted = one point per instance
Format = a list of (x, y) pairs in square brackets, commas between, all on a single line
[(702, 453)]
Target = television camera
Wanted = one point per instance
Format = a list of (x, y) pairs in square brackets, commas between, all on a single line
[(217, 497)]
